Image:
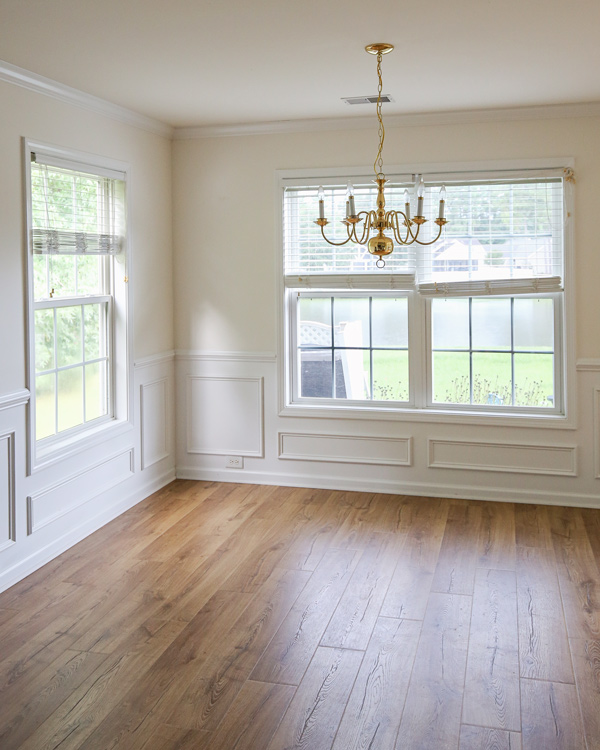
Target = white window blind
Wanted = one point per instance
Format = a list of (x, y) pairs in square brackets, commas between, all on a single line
[(503, 235), (74, 212), (311, 262)]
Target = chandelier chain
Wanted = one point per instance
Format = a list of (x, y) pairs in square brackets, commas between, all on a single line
[(378, 164)]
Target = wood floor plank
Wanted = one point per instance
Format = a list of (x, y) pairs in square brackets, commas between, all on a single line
[(206, 698), (543, 644), (532, 526), (253, 717), (70, 725), (408, 593), (374, 709), (431, 717), (586, 663), (289, 653), (44, 695), (356, 614), (178, 663), (578, 574), (455, 569), (483, 738), (497, 540), (551, 718), (314, 714), (492, 697)]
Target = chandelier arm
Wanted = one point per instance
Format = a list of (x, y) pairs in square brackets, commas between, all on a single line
[(336, 244), (396, 227), (432, 241), (365, 230)]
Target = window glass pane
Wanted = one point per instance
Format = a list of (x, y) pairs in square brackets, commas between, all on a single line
[(492, 379), (89, 274), (44, 406), (95, 331), (450, 323), (314, 321), (490, 323), (451, 383), (40, 276), (44, 340), (315, 373), (352, 374), (389, 321), (62, 275), (534, 324), (351, 321), (534, 380), (70, 398), (68, 335), (95, 391), (390, 375)]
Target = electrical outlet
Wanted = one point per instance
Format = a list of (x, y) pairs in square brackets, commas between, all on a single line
[(234, 462)]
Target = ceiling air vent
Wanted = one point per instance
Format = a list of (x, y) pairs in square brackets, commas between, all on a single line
[(367, 99)]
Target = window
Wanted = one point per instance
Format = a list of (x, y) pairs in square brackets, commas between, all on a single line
[(471, 323), (76, 217)]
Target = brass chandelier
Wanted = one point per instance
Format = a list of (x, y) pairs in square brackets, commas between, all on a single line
[(404, 228)]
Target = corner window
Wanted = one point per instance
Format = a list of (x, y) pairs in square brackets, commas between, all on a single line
[(78, 310), (473, 323)]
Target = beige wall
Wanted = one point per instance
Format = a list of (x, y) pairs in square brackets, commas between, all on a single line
[(41, 118), (225, 214)]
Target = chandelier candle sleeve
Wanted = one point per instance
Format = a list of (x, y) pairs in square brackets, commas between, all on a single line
[(368, 227)]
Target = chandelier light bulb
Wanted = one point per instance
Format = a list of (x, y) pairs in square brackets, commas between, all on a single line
[(321, 193), (350, 195), (321, 202), (442, 202), (421, 189)]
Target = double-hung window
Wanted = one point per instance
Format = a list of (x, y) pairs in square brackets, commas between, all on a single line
[(76, 229), (471, 323)]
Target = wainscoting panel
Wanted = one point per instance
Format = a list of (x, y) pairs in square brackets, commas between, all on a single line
[(225, 415), (154, 421), (7, 491), (390, 451), (558, 460), (50, 504)]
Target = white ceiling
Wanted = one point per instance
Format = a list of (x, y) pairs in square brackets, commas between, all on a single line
[(211, 62)]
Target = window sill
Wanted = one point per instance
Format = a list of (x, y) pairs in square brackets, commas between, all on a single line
[(74, 444), (440, 416)]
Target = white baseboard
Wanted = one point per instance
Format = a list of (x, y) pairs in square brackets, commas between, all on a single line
[(40, 557), (420, 489)]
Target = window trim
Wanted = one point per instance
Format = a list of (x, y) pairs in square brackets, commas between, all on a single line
[(48, 451), (421, 412)]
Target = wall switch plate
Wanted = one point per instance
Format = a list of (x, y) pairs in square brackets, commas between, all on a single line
[(234, 462)]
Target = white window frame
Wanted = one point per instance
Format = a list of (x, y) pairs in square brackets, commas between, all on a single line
[(117, 292), (421, 407)]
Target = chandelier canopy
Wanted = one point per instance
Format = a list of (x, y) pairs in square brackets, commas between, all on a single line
[(404, 229)]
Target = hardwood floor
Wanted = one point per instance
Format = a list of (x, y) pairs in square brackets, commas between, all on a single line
[(240, 617)]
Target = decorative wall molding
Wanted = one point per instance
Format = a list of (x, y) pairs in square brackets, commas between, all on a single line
[(597, 433), (191, 355), (155, 359), (16, 398), (354, 449), (225, 415), (515, 458), (154, 422), (7, 491), (547, 112), (588, 365), (42, 85), (52, 503)]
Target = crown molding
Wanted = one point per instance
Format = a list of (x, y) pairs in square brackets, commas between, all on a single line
[(545, 112), (42, 85)]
